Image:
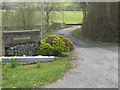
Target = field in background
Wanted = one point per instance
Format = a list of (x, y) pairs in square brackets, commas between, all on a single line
[(70, 17)]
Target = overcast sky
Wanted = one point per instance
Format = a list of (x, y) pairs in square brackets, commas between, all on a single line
[(60, 0)]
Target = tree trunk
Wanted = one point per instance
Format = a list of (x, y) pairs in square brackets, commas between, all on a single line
[(47, 20), (24, 20), (1, 48), (1, 40), (101, 21), (108, 9)]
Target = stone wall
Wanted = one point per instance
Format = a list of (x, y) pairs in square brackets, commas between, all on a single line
[(21, 49), (21, 42)]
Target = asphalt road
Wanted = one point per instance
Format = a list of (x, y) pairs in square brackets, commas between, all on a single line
[(97, 65)]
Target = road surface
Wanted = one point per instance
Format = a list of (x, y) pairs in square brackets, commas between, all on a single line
[(97, 65)]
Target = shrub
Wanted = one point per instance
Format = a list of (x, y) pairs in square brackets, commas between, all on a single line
[(68, 42), (52, 45), (45, 49), (59, 46)]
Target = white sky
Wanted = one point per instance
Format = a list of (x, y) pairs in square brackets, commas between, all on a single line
[(60, 0)]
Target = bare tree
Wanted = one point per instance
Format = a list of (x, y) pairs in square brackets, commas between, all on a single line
[(19, 15), (49, 7)]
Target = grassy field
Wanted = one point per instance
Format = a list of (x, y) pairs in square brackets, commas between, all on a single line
[(30, 76), (70, 17)]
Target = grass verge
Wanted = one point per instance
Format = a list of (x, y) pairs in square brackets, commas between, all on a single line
[(46, 34), (30, 76), (77, 33)]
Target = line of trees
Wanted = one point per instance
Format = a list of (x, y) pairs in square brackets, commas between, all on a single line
[(26, 15), (20, 16), (101, 21)]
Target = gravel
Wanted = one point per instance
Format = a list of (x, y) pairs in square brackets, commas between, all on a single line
[(97, 65)]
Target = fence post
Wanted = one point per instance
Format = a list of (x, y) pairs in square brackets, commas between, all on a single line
[(42, 18)]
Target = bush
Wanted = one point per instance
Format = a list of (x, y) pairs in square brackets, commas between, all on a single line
[(52, 45), (45, 49), (68, 42)]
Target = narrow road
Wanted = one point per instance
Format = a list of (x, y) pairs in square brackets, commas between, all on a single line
[(97, 65)]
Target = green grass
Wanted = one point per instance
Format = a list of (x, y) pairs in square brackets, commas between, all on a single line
[(76, 33), (46, 34), (70, 17), (30, 76)]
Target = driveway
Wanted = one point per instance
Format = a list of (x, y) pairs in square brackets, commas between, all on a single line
[(97, 65)]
